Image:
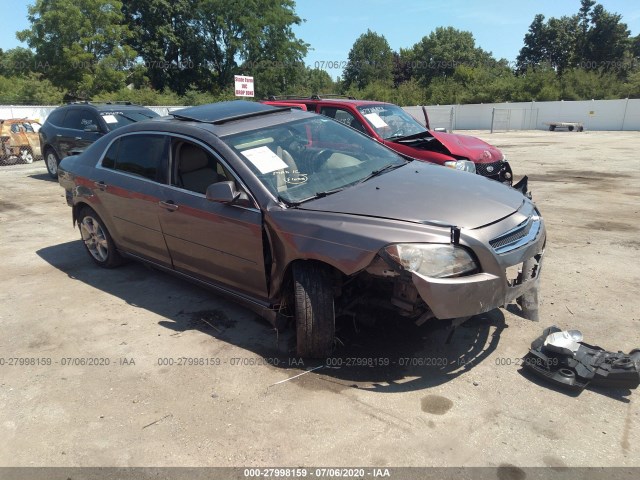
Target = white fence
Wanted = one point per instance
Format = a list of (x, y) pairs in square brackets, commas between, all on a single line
[(613, 115)]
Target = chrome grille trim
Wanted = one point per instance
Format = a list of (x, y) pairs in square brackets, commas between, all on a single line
[(524, 233)]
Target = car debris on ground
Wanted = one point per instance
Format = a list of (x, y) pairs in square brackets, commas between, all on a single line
[(561, 357)]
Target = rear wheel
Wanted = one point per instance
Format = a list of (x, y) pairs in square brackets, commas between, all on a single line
[(97, 239), (51, 160), (314, 312)]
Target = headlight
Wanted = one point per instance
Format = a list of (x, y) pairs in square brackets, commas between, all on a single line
[(462, 165), (432, 260)]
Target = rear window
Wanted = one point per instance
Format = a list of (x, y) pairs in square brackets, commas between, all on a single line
[(79, 119), (56, 117), (140, 155), (120, 118)]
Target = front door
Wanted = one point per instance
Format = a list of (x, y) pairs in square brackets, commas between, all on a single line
[(216, 242)]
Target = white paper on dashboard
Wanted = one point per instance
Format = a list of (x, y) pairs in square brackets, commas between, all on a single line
[(110, 119), (375, 120), (264, 159)]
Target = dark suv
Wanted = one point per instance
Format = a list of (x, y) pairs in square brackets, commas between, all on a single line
[(392, 126), (73, 127)]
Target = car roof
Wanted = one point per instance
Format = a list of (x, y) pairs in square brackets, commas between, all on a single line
[(328, 100), (221, 119), (222, 112), (108, 106)]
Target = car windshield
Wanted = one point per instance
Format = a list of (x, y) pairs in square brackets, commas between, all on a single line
[(311, 158), (120, 119), (391, 122)]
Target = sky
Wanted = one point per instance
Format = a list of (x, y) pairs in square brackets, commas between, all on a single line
[(332, 26)]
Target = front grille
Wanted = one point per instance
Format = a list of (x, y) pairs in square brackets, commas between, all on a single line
[(521, 235), (489, 169)]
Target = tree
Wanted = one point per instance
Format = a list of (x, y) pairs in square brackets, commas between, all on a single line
[(403, 66), (593, 39), (315, 81), (80, 45), (534, 52), (584, 19), (563, 42), (272, 53), (167, 37), (608, 40), (370, 59), (17, 62), (443, 50)]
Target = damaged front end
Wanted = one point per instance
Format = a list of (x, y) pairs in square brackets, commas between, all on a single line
[(447, 281)]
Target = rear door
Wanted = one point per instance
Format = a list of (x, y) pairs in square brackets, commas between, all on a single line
[(74, 132), (215, 242), (128, 184)]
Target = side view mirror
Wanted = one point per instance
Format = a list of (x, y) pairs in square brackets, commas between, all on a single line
[(222, 192), (91, 128)]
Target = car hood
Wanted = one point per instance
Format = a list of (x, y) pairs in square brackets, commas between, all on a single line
[(476, 150), (426, 194)]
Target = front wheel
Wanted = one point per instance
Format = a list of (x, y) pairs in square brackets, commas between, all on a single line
[(314, 311), (97, 239), (51, 160)]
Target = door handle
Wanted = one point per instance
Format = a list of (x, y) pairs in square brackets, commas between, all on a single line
[(169, 205), (101, 185)]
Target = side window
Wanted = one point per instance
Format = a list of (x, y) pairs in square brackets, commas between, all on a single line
[(80, 118), (343, 116), (194, 167), (109, 160), (56, 117), (72, 120), (141, 155)]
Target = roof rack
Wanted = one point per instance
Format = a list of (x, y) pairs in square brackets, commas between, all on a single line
[(316, 96), (121, 102), (321, 96), (88, 102)]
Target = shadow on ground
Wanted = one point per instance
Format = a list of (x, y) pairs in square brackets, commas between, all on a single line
[(385, 353)]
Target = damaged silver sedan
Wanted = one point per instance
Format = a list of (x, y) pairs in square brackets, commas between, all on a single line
[(298, 216)]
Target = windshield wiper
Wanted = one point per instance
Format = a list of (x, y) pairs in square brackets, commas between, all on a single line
[(297, 203), (375, 173)]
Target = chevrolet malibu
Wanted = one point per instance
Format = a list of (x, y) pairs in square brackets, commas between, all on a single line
[(299, 217)]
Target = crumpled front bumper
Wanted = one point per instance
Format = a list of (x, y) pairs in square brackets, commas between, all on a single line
[(495, 286)]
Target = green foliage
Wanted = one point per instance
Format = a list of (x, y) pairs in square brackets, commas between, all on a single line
[(186, 52), (17, 62), (29, 90), (443, 50), (591, 39), (370, 61), (581, 84), (80, 45)]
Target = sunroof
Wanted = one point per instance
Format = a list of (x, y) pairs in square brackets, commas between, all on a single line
[(225, 111)]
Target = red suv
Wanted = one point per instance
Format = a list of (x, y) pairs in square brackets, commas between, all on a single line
[(391, 125)]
